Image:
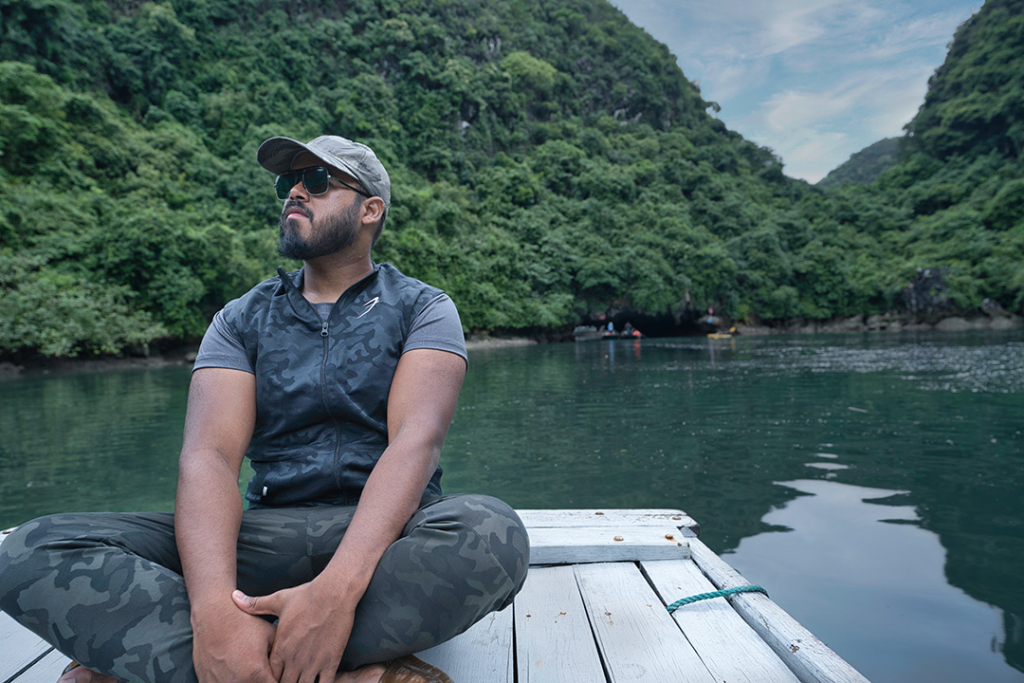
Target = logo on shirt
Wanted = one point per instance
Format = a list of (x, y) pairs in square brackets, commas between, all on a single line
[(369, 306)]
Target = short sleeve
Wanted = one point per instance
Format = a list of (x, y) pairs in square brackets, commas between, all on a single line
[(222, 348), (437, 327)]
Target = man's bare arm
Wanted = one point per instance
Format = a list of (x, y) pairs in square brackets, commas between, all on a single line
[(316, 618), (228, 645)]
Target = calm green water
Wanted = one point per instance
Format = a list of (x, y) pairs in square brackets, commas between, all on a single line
[(871, 483)]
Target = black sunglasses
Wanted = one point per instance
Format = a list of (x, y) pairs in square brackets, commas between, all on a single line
[(316, 180)]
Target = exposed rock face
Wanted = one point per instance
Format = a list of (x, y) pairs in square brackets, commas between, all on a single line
[(953, 324), (989, 307), (925, 295)]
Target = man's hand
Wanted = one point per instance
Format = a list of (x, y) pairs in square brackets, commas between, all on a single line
[(312, 631), (231, 647)]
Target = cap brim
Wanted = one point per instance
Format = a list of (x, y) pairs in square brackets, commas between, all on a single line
[(276, 154)]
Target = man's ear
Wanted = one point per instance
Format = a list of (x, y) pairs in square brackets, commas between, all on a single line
[(373, 211)]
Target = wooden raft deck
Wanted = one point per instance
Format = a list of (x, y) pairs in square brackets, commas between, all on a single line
[(593, 611)]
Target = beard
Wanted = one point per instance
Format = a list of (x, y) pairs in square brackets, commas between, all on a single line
[(335, 233)]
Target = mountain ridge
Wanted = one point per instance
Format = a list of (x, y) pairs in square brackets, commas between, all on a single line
[(865, 166)]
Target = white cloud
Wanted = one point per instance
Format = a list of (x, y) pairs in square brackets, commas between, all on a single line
[(730, 46), (797, 126), (816, 130), (893, 105), (791, 30), (764, 29), (723, 79), (929, 31), (797, 24), (813, 152), (795, 109), (815, 80)]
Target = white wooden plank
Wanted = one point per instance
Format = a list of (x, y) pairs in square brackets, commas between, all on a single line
[(19, 647), (46, 670), (611, 517), (637, 638), (552, 545), (483, 654), (730, 649), (554, 643), (809, 658)]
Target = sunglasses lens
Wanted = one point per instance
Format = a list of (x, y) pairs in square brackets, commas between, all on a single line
[(316, 179), (284, 184)]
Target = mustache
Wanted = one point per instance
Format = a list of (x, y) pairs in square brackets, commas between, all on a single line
[(292, 205)]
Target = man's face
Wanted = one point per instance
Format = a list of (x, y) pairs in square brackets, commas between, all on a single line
[(318, 225), (326, 234)]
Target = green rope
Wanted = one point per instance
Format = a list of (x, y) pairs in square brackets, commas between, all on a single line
[(725, 592)]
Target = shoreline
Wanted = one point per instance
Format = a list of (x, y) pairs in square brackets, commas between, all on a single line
[(887, 323), (476, 342), (184, 355)]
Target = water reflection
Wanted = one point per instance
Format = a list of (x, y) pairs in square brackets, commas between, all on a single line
[(926, 415), (858, 567), (104, 441)]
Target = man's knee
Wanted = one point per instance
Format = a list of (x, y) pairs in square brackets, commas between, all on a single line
[(25, 555), (51, 546), (489, 533), (31, 538), (460, 558)]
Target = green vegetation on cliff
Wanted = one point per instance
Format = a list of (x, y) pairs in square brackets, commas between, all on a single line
[(546, 162), (956, 198), (864, 166)]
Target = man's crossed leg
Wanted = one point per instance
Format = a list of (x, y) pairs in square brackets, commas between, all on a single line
[(106, 588)]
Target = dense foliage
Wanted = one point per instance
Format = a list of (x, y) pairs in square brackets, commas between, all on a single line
[(956, 199), (547, 160), (864, 166)]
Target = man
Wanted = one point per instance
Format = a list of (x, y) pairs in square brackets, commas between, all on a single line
[(339, 382)]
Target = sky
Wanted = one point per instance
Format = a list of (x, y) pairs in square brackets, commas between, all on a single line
[(814, 80)]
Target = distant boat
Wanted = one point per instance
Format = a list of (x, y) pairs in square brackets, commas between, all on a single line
[(723, 335), (585, 333), (590, 333)]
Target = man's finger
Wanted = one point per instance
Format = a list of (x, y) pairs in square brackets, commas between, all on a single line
[(262, 675), (266, 604), (329, 674), (278, 670)]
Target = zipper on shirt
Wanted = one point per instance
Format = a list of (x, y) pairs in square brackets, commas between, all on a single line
[(326, 335), (346, 299)]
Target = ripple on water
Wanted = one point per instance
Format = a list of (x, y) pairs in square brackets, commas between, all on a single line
[(827, 466), (996, 368)]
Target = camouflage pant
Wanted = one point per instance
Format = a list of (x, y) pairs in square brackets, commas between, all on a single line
[(106, 588)]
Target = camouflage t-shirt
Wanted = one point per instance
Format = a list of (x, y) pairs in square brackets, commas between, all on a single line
[(323, 381)]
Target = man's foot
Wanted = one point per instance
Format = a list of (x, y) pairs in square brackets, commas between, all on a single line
[(76, 673), (370, 673), (408, 669)]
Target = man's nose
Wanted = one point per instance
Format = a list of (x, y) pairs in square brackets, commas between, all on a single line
[(298, 190)]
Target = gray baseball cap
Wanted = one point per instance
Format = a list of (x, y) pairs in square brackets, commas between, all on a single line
[(356, 159)]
